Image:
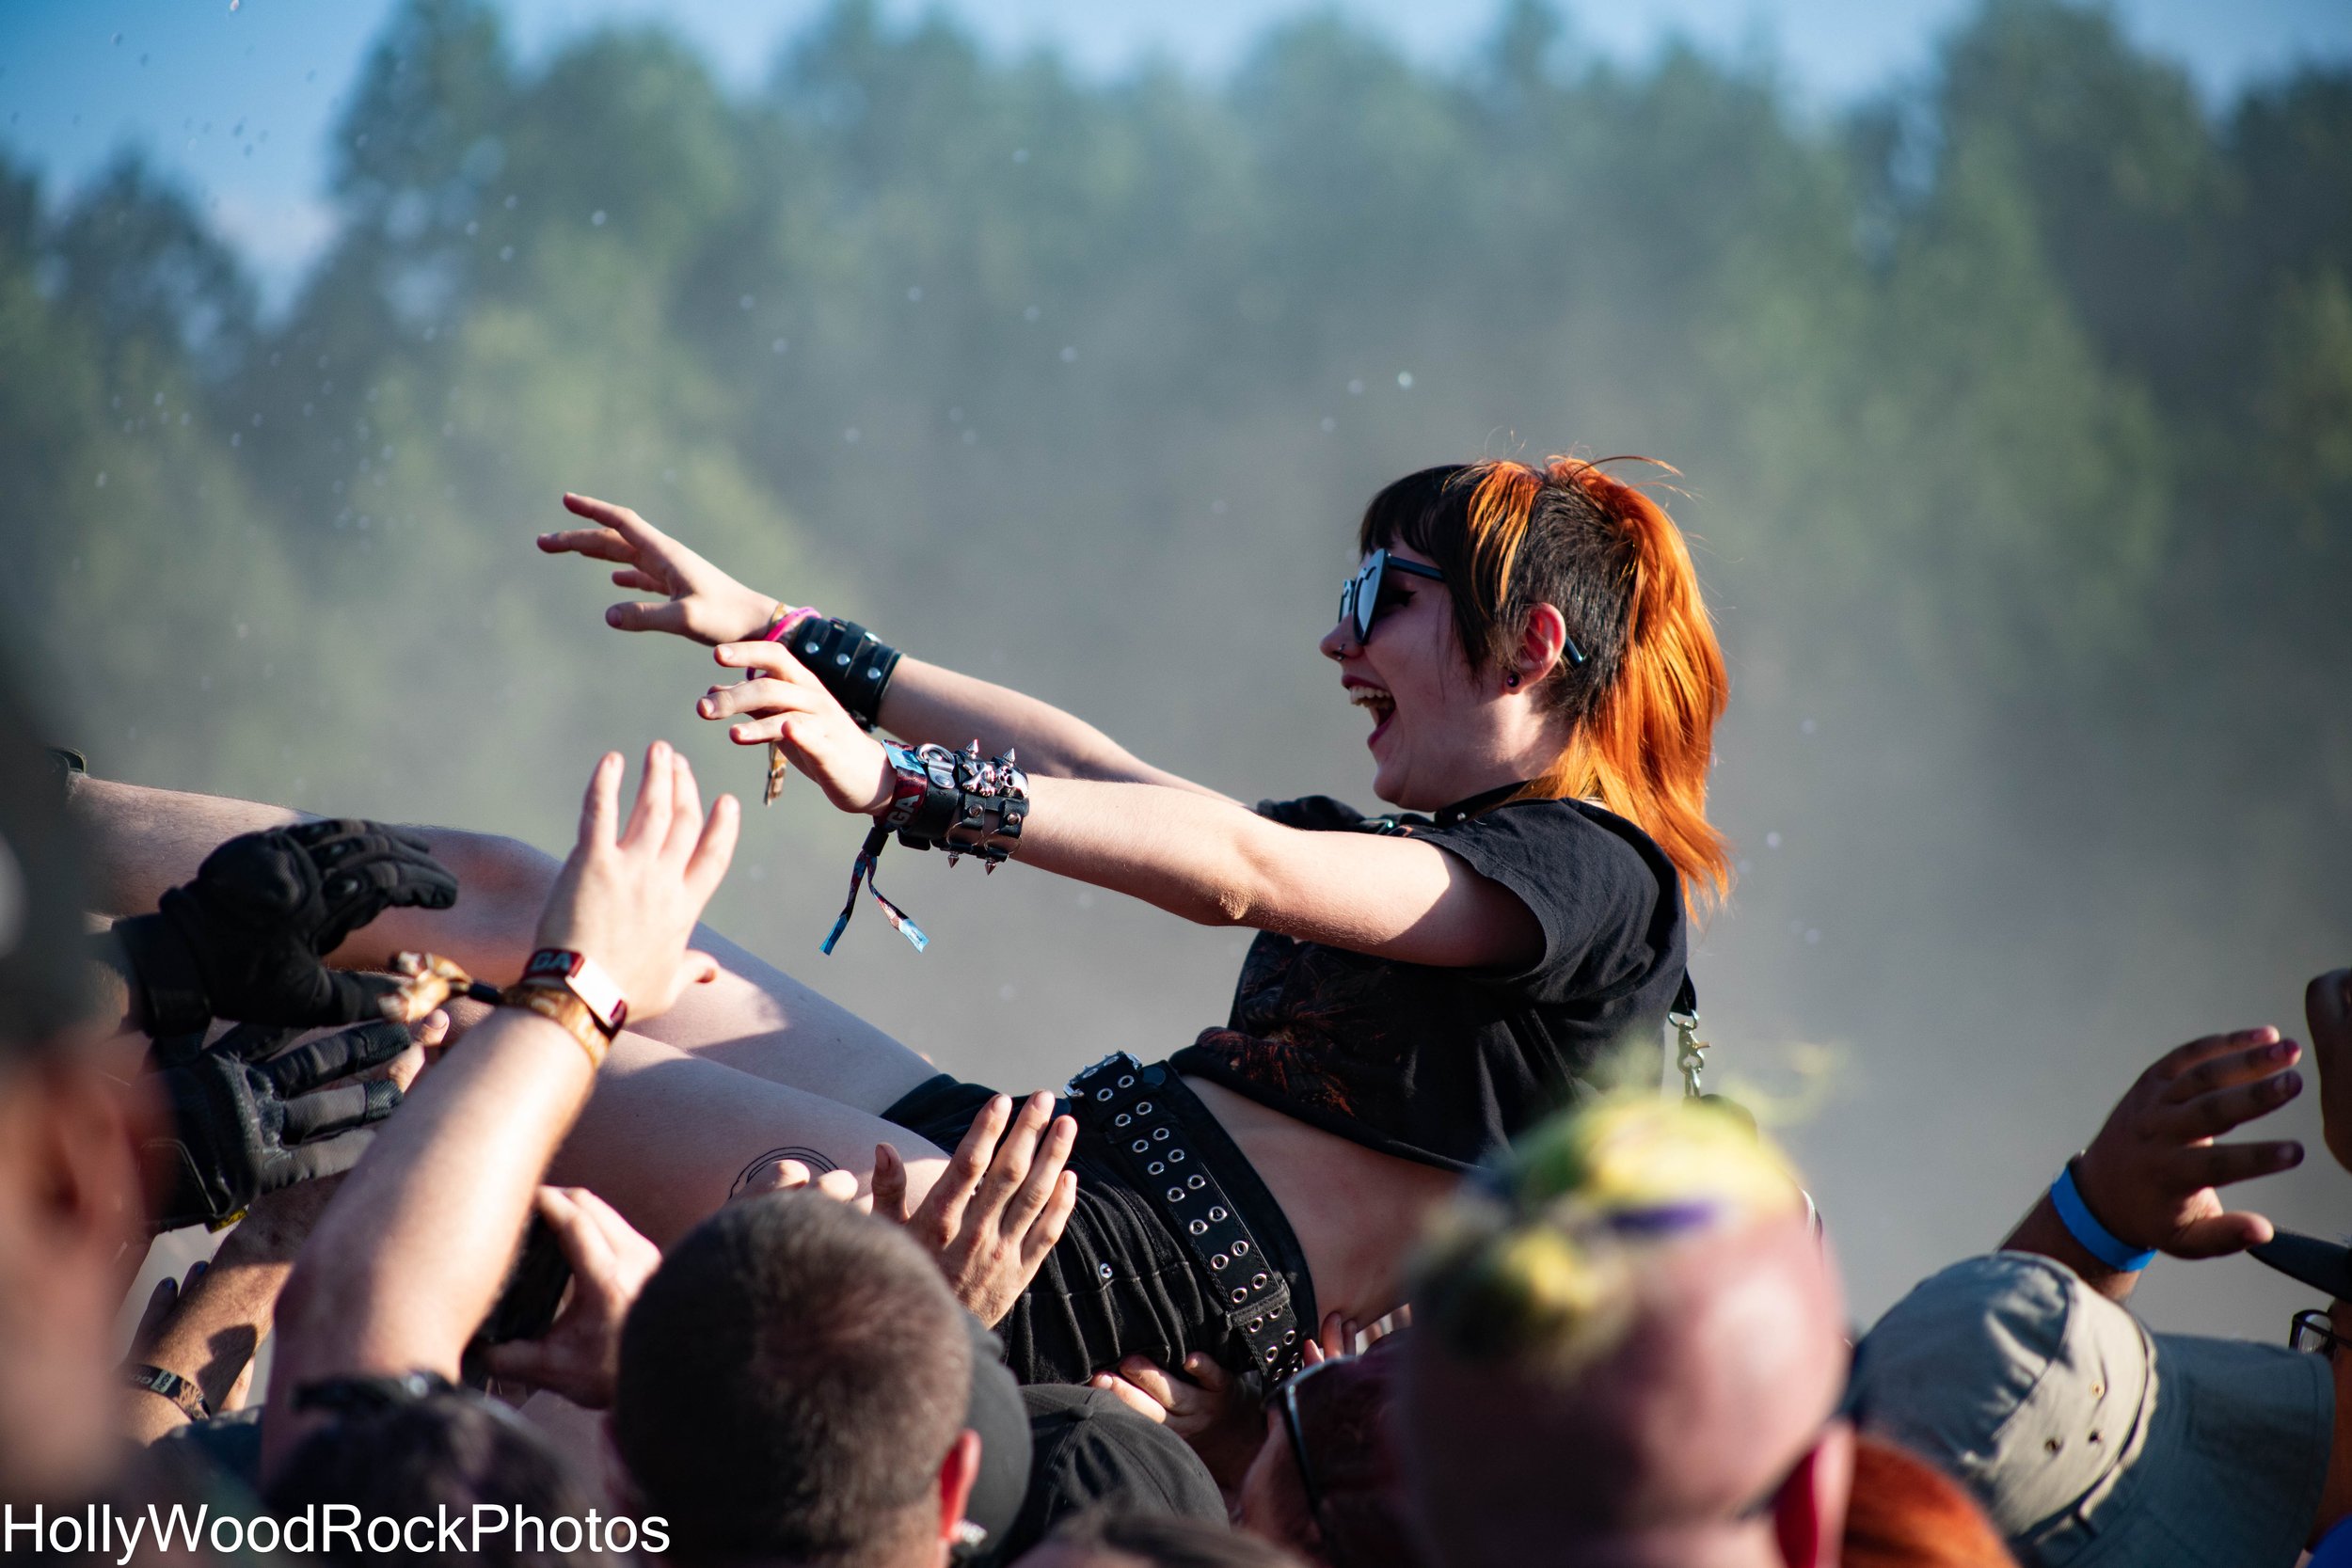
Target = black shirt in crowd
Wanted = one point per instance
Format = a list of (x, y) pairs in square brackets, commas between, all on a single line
[(1445, 1065)]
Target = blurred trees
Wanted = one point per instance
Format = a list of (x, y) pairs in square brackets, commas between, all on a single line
[(2015, 416)]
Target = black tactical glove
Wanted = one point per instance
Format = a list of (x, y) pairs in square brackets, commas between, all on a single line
[(244, 940), (243, 1121)]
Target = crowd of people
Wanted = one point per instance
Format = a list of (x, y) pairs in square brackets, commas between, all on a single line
[(577, 1234)]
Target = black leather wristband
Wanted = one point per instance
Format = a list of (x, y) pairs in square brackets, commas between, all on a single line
[(850, 661)]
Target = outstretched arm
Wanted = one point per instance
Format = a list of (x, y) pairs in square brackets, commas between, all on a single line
[(410, 1256), (925, 703), (1195, 855)]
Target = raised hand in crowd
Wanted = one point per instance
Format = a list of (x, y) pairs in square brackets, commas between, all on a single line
[(243, 1116), (580, 1355), (783, 702), (204, 1331), (410, 1257), (247, 940), (705, 603), (2149, 1183), (2328, 1009), (998, 1207)]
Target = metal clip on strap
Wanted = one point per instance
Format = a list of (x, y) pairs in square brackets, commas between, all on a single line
[(1124, 1097)]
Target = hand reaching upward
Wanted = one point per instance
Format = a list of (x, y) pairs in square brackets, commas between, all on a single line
[(705, 603)]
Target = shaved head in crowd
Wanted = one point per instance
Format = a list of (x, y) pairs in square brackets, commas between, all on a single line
[(1631, 1349)]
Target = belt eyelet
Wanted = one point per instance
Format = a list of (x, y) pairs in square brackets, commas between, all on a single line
[(1257, 1282), (1219, 1261), (1240, 1247), (1123, 1120), (1142, 1143), (1154, 1167), (1160, 1133), (1198, 1227), (1290, 1336), (1143, 1107), (1102, 1094), (1175, 1194), (1240, 1295), (1127, 1081), (1255, 1324), (1105, 1270), (1196, 1182), (1175, 1154), (1218, 1213)]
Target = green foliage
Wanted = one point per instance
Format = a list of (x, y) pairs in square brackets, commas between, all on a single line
[(2015, 417)]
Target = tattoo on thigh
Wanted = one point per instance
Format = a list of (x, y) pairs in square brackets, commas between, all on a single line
[(817, 1166)]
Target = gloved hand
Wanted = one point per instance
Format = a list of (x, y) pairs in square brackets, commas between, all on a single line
[(244, 940), (243, 1121)]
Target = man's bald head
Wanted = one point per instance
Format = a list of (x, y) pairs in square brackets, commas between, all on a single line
[(1625, 1347)]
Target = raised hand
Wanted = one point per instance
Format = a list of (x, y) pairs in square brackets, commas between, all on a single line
[(705, 604), (2151, 1174), (631, 892), (997, 1209), (247, 938), (786, 704), (580, 1355)]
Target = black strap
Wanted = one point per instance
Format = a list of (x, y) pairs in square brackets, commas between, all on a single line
[(850, 661), (1126, 1101), (171, 1385)]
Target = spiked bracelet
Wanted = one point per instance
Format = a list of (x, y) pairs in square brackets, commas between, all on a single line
[(850, 661), (952, 801), (940, 800)]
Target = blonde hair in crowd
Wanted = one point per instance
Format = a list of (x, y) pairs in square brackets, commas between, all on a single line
[(1531, 1263)]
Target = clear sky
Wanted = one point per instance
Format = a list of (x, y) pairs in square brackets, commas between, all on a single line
[(236, 96)]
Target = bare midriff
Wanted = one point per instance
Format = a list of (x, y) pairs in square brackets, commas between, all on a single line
[(1355, 1211)]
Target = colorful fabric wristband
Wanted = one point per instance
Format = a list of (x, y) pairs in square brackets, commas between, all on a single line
[(2084, 1227)]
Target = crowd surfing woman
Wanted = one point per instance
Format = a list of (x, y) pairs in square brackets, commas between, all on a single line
[(1543, 683)]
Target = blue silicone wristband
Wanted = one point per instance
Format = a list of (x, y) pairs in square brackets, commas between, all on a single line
[(2084, 1227)]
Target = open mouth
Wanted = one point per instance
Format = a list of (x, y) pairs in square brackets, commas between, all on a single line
[(1377, 702)]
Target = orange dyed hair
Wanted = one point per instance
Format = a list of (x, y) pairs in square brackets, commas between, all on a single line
[(1509, 536), (1905, 1514)]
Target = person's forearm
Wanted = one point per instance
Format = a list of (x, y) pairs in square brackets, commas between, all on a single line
[(929, 703), (2042, 1233), (410, 1256), (213, 1333), (1210, 862)]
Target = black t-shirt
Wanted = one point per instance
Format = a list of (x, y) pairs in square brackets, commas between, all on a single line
[(1446, 1066)]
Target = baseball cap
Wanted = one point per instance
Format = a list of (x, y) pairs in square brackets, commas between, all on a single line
[(995, 1411), (2090, 1442), (1087, 1451)]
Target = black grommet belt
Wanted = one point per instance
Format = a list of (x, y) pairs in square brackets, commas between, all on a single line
[(1116, 1097)]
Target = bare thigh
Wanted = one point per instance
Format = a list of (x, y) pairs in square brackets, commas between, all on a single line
[(668, 1134), (756, 1018)]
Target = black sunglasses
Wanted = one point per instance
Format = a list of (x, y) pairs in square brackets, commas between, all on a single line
[(2315, 1332), (1359, 595)]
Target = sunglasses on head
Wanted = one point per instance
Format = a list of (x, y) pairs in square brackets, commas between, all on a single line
[(1359, 595)]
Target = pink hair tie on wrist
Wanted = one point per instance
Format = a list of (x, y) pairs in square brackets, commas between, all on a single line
[(778, 630), (787, 617)]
